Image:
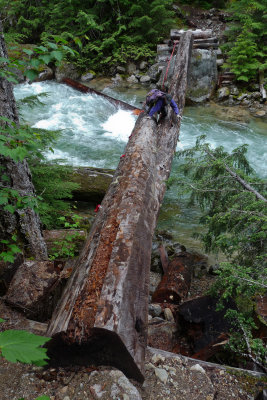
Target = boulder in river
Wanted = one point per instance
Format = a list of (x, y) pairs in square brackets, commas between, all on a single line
[(67, 70), (202, 75)]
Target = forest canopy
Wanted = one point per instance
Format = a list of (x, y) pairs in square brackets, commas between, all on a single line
[(110, 32)]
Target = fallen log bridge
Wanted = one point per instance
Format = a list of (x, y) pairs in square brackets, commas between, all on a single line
[(102, 315), (85, 89)]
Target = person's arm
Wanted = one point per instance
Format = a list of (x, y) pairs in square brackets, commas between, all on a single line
[(174, 107), (156, 107)]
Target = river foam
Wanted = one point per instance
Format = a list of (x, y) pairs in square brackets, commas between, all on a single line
[(95, 132)]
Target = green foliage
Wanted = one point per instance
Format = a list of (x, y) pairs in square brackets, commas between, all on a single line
[(247, 44), (51, 182), (31, 60), (235, 222), (97, 29), (31, 101), (19, 142), (22, 346), (67, 247), (8, 250)]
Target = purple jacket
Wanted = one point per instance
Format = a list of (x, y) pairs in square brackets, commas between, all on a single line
[(160, 104)]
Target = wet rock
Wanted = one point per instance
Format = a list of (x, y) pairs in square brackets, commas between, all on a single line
[(245, 102), (260, 113), (155, 71), (202, 78), (132, 79), (45, 75), (93, 183), (155, 279), (234, 90), (242, 96), (223, 93), (154, 309), (131, 68), (219, 62), (117, 79), (120, 69), (67, 70), (87, 77), (168, 314), (145, 79), (256, 95), (143, 65)]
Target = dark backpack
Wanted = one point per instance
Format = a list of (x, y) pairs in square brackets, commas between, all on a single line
[(153, 96)]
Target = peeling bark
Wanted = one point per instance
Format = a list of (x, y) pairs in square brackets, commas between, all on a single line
[(102, 315)]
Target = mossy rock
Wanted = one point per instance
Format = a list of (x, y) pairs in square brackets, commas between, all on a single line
[(94, 183)]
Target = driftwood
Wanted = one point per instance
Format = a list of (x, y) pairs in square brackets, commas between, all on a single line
[(197, 34), (165, 49), (102, 315), (85, 89)]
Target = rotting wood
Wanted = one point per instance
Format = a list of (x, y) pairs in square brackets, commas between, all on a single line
[(176, 281), (102, 315), (86, 89)]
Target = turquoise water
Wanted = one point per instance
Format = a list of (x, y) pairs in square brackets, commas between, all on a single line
[(95, 132)]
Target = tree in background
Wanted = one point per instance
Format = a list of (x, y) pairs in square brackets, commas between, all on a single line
[(17, 218), (247, 46), (111, 31), (235, 224)]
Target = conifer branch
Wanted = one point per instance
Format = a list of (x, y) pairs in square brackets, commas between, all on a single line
[(239, 179)]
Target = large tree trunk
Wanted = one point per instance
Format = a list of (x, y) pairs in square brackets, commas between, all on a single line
[(25, 222), (102, 315)]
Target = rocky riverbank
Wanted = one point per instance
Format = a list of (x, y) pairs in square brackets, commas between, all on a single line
[(167, 376)]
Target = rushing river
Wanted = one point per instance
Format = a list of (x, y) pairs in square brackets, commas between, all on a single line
[(95, 132)]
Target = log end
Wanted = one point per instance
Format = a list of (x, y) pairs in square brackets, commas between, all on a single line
[(102, 348)]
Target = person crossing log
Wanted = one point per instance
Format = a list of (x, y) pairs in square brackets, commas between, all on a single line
[(102, 315)]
